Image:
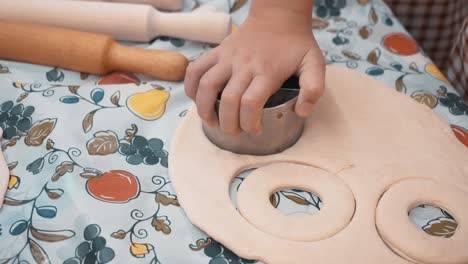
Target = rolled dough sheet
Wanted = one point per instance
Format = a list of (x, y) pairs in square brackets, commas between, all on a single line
[(368, 138)]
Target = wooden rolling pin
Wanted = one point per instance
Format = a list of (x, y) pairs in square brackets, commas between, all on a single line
[(175, 5), (85, 52), (131, 22), (170, 5)]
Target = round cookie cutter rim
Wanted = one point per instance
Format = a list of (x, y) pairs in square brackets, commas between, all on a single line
[(282, 127)]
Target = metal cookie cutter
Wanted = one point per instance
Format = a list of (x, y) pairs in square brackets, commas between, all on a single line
[(282, 127)]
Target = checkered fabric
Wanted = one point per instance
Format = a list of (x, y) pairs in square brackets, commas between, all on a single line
[(457, 64), (441, 28)]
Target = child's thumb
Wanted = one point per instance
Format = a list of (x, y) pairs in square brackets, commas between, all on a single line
[(312, 83)]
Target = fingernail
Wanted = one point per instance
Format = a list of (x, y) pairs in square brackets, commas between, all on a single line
[(305, 108)]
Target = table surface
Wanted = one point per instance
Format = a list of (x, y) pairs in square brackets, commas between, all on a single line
[(63, 129)]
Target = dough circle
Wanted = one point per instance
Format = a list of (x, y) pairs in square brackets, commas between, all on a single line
[(408, 239), (362, 132), (254, 205)]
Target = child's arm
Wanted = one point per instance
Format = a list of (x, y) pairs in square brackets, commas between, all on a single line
[(274, 43)]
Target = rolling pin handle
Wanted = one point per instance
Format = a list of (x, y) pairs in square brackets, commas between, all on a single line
[(167, 65)]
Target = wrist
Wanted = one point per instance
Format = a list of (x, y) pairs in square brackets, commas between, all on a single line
[(297, 13)]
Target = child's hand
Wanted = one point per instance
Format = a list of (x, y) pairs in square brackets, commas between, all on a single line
[(251, 65)]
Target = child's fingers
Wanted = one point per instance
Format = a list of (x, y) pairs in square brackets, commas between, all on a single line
[(312, 83), (230, 102), (209, 86), (195, 71), (253, 101)]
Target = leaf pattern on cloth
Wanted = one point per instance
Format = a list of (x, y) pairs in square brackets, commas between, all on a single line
[(441, 227), (39, 132), (425, 98), (62, 169), (166, 199), (4, 69), (28, 227), (162, 224), (38, 253), (51, 236), (88, 167), (103, 143), (238, 5)]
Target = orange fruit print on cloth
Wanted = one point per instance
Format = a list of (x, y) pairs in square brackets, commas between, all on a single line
[(114, 187), (461, 134), (400, 44), (119, 78)]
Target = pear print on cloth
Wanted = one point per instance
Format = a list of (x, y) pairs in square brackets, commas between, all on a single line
[(149, 105)]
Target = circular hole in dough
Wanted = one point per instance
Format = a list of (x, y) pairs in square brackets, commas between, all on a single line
[(236, 183), (293, 201), (255, 204), (405, 238), (433, 220)]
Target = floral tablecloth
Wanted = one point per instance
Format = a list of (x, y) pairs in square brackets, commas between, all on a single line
[(88, 158)]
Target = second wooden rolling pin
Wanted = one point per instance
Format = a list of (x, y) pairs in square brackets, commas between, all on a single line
[(133, 22), (85, 52), (172, 5)]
